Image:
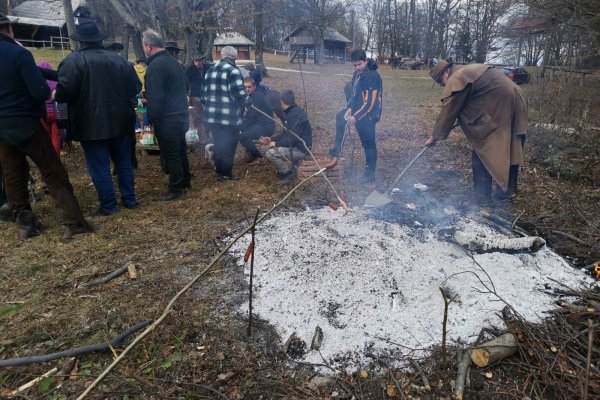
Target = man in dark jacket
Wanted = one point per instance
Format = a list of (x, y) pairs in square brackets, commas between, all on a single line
[(23, 91), (100, 88), (291, 146), (167, 112), (363, 112), (257, 121), (194, 76)]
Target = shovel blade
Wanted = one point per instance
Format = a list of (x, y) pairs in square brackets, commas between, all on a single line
[(377, 199)]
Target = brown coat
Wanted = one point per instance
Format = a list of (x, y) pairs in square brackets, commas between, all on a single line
[(492, 112)]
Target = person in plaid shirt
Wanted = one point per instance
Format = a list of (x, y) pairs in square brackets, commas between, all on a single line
[(224, 98)]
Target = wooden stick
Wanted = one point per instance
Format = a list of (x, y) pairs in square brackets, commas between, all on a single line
[(253, 244), (586, 386), (418, 368), (461, 375), (104, 279), (33, 382)]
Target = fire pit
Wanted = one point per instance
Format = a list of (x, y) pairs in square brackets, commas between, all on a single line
[(370, 280)]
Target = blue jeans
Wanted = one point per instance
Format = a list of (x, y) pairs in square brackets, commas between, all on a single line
[(98, 154)]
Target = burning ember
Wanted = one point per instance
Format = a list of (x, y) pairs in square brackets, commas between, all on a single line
[(370, 280)]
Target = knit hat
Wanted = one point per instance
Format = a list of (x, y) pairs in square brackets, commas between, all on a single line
[(4, 20)]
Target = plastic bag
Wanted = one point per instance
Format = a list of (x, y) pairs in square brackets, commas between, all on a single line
[(148, 139), (191, 137)]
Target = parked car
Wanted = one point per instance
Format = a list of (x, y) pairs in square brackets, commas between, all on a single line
[(516, 74)]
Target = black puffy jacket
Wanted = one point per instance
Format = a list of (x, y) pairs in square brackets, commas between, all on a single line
[(100, 88)]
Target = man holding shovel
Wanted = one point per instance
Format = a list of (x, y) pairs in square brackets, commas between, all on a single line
[(492, 112), (363, 112)]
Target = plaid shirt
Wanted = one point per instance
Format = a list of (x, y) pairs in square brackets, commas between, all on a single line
[(224, 94)]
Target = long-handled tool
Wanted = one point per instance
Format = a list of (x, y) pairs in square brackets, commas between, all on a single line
[(378, 199)]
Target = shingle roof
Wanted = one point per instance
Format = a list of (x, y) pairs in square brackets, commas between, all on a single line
[(39, 12), (232, 38), (301, 36)]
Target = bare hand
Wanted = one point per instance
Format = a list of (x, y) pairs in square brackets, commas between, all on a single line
[(265, 141)]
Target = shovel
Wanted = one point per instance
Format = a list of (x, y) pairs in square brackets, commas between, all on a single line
[(378, 199)]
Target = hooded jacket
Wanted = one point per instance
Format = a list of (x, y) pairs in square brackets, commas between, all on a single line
[(367, 96)]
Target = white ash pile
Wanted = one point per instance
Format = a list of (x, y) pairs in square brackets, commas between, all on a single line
[(373, 285)]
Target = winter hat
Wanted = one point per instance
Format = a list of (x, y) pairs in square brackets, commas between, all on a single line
[(439, 66), (88, 32)]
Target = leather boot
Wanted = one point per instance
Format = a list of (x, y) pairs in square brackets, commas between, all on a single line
[(29, 226)]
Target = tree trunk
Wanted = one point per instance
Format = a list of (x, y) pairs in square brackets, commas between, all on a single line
[(70, 20), (258, 29), (136, 42), (126, 37)]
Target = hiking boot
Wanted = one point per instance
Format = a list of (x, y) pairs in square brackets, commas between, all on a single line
[(169, 196), (29, 226), (101, 212), (6, 214)]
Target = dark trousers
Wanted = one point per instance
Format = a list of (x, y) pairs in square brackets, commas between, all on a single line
[(340, 130), (16, 175), (225, 138), (171, 140), (248, 136), (98, 154), (482, 182), (366, 133)]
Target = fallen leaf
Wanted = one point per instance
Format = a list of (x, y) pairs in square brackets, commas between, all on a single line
[(364, 374), (220, 356), (489, 375), (391, 391)]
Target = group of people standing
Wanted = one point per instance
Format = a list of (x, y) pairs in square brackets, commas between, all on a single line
[(101, 90)]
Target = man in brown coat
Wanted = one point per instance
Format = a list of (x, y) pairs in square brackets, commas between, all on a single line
[(492, 112)]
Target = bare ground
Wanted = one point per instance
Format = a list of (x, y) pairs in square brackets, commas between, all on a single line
[(201, 350)]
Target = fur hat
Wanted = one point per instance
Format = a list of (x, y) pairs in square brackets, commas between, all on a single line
[(89, 32)]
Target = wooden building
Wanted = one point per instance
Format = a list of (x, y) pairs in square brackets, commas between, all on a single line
[(243, 45), (40, 23), (302, 44)]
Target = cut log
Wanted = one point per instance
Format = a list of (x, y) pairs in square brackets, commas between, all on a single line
[(482, 244), (495, 350)]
